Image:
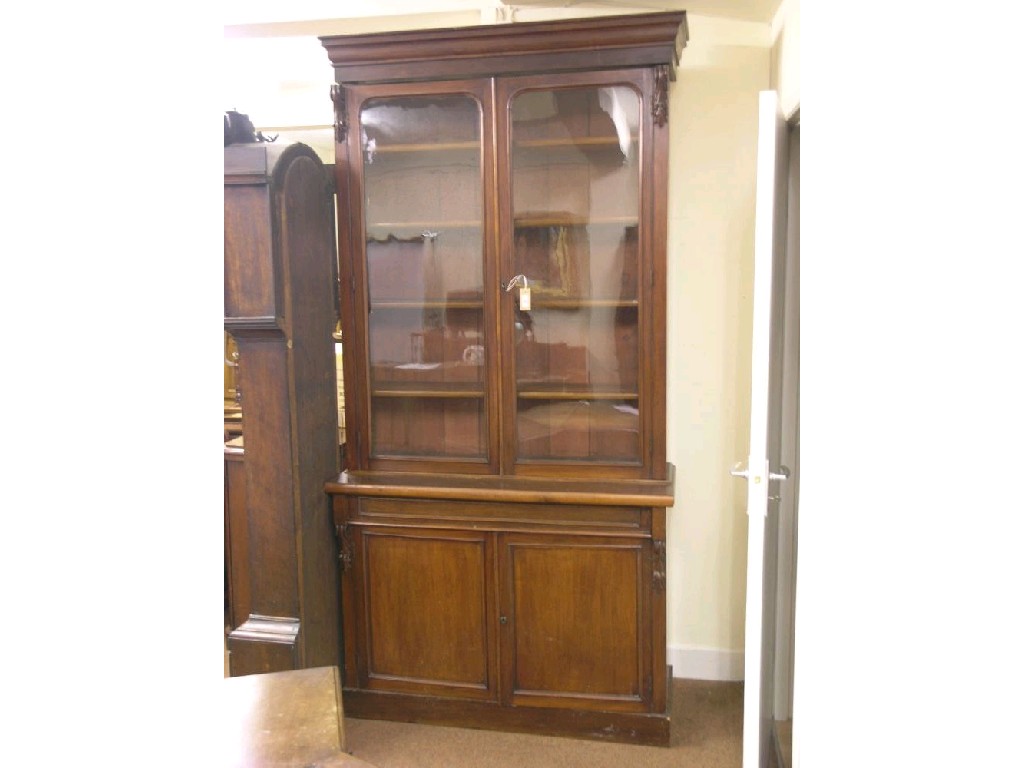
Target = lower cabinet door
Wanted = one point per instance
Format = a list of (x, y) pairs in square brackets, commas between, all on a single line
[(575, 616), (428, 611)]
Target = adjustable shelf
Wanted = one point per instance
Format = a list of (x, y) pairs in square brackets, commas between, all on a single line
[(574, 394), (424, 389)]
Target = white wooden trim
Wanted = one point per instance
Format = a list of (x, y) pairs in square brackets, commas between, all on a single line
[(765, 415), (693, 662)]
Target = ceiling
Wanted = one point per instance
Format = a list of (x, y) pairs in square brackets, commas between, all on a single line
[(245, 12), (276, 71), (749, 10)]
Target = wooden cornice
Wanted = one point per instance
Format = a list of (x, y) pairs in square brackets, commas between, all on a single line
[(649, 39)]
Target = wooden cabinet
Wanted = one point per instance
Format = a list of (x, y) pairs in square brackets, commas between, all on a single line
[(280, 309), (502, 227)]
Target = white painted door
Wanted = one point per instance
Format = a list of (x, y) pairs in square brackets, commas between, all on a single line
[(763, 473)]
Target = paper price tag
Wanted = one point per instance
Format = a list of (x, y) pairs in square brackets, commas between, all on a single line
[(524, 299)]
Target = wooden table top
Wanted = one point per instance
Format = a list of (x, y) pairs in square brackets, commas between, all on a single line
[(292, 718)]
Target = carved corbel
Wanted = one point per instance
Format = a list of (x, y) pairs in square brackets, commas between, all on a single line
[(340, 113), (659, 108), (344, 546), (658, 575)]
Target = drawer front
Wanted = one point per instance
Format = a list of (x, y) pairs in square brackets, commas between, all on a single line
[(503, 516)]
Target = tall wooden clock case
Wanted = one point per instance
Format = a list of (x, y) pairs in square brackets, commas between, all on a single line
[(502, 233), (280, 307)]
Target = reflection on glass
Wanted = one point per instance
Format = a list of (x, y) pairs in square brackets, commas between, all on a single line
[(575, 198), (423, 209), (232, 390)]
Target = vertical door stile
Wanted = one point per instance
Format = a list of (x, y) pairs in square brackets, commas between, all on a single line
[(350, 172), (762, 545), (504, 316), (496, 349), (654, 260)]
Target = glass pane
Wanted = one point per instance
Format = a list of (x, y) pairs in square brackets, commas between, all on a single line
[(232, 392), (576, 198), (424, 250)]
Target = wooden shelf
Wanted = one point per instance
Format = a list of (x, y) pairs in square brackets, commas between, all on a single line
[(565, 221), (574, 394), (433, 226), (422, 389), (462, 146), (568, 141), (424, 147), (524, 223), (541, 302), (402, 304)]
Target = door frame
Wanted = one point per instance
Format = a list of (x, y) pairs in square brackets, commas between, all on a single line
[(769, 374)]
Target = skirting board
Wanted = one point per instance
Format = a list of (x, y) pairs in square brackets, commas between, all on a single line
[(695, 663)]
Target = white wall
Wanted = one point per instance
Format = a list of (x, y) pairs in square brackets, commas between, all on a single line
[(911, 526), (785, 77), (713, 124)]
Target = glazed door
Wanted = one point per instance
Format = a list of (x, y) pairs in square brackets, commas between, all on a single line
[(573, 239), (420, 235)]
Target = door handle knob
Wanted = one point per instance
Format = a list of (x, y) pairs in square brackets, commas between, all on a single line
[(737, 471)]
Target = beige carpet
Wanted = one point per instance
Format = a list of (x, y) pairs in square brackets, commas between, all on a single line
[(707, 728)]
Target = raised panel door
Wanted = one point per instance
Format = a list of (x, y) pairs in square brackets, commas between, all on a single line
[(427, 611), (574, 615)]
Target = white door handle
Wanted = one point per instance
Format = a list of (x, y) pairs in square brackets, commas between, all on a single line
[(737, 472), (782, 474)]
